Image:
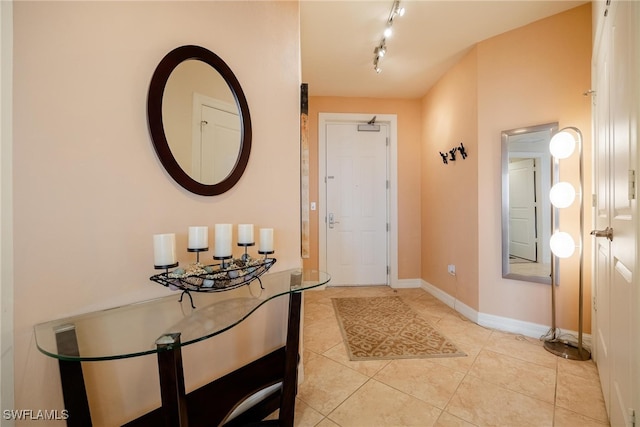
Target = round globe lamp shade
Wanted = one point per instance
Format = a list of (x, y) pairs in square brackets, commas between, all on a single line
[(562, 145), (562, 195), (562, 244)]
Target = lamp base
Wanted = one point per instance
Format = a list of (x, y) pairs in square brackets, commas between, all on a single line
[(567, 350)]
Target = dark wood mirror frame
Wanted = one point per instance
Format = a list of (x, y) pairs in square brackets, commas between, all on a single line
[(156, 125)]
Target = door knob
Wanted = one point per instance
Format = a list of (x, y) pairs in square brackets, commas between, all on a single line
[(607, 232)]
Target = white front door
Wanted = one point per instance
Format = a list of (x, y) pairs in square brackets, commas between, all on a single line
[(522, 210), (616, 207), (356, 204)]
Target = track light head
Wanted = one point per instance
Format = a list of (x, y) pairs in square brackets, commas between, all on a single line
[(380, 51), (376, 67), (396, 10)]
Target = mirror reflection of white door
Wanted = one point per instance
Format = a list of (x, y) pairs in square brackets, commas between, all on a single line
[(522, 210), (615, 145), (216, 139), (356, 204)]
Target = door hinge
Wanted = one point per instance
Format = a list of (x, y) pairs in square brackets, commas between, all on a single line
[(388, 227), (595, 304), (632, 184), (632, 417), (594, 200), (387, 141), (387, 184), (388, 270)]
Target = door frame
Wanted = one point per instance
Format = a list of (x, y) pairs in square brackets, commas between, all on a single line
[(392, 202)]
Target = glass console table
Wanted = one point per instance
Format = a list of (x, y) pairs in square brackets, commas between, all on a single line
[(163, 327)]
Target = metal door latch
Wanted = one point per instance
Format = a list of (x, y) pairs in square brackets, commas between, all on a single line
[(607, 232), (332, 220)]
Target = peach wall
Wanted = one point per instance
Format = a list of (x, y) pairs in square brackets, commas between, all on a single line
[(408, 113), (533, 75), (450, 191), (90, 191)]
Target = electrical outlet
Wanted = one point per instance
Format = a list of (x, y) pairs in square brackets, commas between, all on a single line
[(451, 268)]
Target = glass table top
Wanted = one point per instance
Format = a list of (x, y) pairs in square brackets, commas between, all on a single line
[(133, 329)]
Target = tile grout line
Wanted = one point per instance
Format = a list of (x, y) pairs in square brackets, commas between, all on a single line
[(466, 374)]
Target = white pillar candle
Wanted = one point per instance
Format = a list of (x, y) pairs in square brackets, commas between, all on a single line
[(266, 240), (164, 249), (198, 237), (245, 234), (223, 241)]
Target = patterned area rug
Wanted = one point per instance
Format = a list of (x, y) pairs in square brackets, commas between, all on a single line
[(387, 328)]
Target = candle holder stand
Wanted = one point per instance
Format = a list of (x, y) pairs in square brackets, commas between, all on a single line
[(197, 251), (265, 253), (246, 256), (165, 267), (223, 265)]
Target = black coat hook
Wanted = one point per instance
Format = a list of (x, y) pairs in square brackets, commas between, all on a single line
[(444, 157), (452, 153), (463, 151)]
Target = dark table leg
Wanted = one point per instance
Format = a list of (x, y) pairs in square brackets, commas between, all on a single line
[(174, 401), (74, 392), (290, 380)]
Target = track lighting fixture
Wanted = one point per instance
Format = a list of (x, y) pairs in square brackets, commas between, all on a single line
[(381, 49)]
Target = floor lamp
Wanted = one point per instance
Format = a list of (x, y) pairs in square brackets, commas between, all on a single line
[(562, 195)]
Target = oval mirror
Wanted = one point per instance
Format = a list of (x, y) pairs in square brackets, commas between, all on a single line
[(199, 120)]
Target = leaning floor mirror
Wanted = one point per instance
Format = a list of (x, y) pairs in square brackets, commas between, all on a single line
[(527, 217)]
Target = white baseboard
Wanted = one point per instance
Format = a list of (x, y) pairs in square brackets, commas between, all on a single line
[(500, 323), (507, 324), (439, 293), (406, 284)]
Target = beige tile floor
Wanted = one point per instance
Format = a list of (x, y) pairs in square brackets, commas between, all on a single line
[(505, 379)]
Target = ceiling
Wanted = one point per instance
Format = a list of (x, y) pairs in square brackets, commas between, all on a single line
[(338, 39)]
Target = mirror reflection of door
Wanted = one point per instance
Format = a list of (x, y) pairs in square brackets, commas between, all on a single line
[(216, 139), (200, 117), (522, 210), (526, 209)]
